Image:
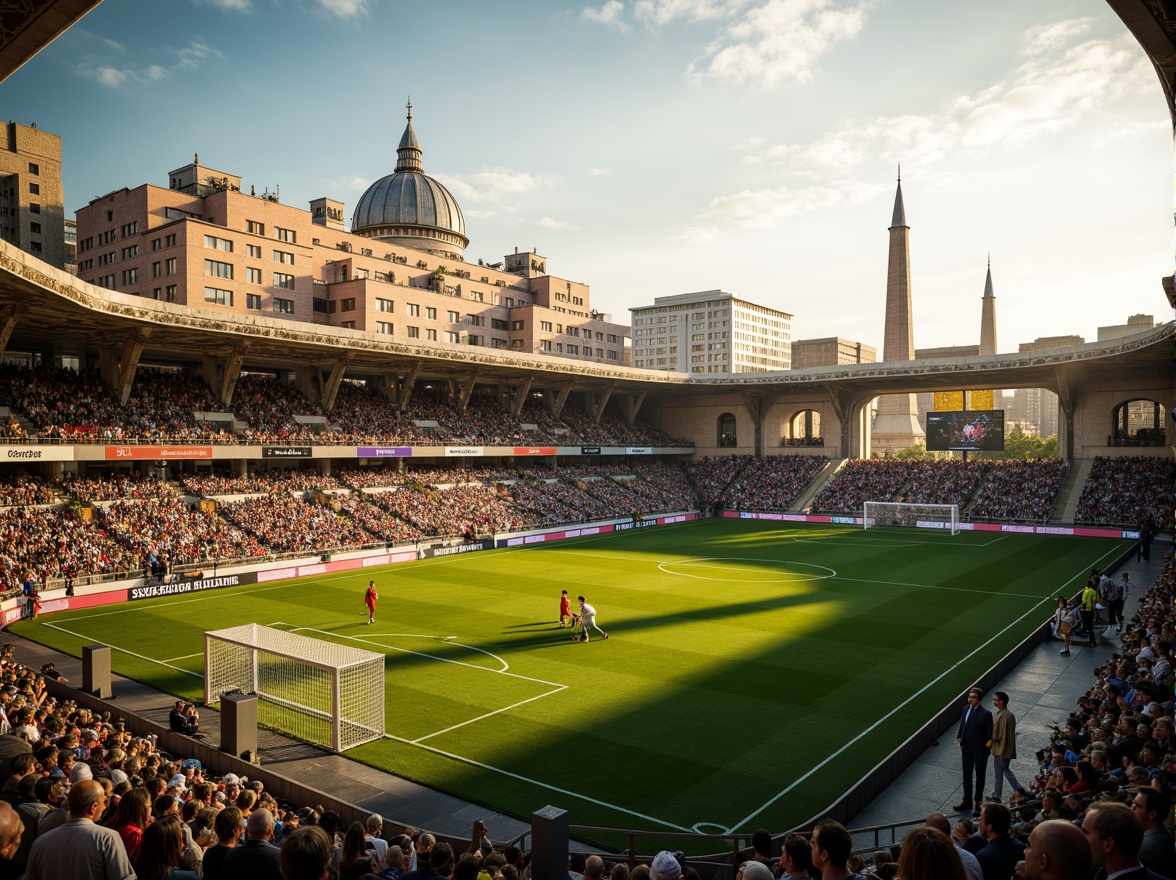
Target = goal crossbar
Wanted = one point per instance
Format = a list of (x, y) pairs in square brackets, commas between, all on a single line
[(319, 691), (901, 514)]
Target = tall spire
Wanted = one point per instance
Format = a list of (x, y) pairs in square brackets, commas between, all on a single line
[(988, 316), (408, 154), (899, 218)]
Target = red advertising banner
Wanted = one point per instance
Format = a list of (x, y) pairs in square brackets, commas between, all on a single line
[(534, 450), (156, 453)]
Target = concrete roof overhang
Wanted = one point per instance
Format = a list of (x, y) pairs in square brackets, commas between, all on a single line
[(49, 308), (28, 27)]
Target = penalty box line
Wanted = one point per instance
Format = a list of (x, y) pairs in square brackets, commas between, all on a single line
[(903, 704)]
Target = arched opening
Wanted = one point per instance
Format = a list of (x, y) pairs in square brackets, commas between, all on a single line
[(804, 429), (1138, 423), (727, 435)]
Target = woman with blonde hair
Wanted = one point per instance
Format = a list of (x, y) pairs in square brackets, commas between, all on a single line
[(928, 854)]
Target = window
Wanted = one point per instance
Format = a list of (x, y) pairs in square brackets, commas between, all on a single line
[(218, 296), (573, 349), (156, 270), (130, 276), (132, 251), (171, 293), (253, 300), (545, 345), (414, 311), (34, 168), (384, 327), (319, 305), (612, 337), (430, 334), (545, 326), (253, 275), (218, 269), (452, 336), (474, 340), (385, 305), (254, 228), (106, 281), (169, 240), (498, 343), (156, 244), (34, 247), (253, 250), (284, 257), (612, 355), (34, 208), (283, 306), (452, 317), (170, 265), (218, 244), (347, 325), (283, 280), (287, 235), (130, 229), (516, 325), (157, 293), (347, 305), (35, 188), (430, 313), (35, 229), (414, 332), (499, 324)]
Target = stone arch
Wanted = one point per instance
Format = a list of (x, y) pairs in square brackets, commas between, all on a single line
[(804, 428), (726, 434), (1138, 422)]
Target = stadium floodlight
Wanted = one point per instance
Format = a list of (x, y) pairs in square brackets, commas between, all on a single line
[(899, 514), (324, 693)]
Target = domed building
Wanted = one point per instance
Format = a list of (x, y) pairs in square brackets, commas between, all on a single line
[(410, 208)]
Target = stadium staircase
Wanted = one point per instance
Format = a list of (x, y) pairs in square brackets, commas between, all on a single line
[(805, 499), (1066, 504)]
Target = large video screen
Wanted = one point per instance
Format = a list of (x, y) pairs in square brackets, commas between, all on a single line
[(973, 430)]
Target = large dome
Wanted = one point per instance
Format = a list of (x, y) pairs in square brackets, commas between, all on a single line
[(410, 208)]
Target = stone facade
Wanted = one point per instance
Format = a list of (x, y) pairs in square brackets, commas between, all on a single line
[(32, 201)]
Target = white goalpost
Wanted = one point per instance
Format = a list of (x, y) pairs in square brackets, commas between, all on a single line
[(898, 514), (327, 694)]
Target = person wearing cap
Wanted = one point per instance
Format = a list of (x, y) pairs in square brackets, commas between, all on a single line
[(664, 866)]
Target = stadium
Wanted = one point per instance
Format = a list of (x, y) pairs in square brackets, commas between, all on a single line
[(193, 502)]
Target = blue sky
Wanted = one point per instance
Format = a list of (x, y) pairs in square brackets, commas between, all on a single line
[(655, 147)]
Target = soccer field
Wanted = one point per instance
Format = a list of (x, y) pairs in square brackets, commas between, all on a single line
[(754, 671)]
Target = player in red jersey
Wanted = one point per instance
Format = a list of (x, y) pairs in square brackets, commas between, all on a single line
[(565, 609), (369, 599)]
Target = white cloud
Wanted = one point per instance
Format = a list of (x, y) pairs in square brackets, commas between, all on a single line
[(780, 40), (114, 44), (599, 172), (767, 207), (344, 8), (555, 225), (657, 13), (190, 57), (1049, 92), (231, 5), (494, 184), (1043, 37), (608, 15), (351, 183)]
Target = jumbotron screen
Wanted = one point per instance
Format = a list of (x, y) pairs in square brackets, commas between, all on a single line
[(972, 430)]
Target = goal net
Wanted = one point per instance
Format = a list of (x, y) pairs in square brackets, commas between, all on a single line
[(898, 514), (327, 694)]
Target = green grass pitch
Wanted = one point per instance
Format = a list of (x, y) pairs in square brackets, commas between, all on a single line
[(754, 671)]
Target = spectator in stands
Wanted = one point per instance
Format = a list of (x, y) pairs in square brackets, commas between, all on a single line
[(373, 826), (131, 817), (831, 846), (439, 866), (159, 853), (1157, 851), (928, 854), (11, 831), (229, 827), (256, 857), (357, 858), (1115, 835), (80, 848), (1056, 850), (665, 867), (972, 870), (306, 854), (1002, 852)]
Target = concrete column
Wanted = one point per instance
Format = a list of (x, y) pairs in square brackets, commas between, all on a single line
[(96, 671), (549, 844), (239, 724)]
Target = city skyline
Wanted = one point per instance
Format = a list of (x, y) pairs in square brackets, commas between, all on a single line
[(629, 143)]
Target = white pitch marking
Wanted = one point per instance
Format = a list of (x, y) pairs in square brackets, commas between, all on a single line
[(668, 568), (902, 705), (125, 651), (184, 657), (937, 587), (421, 739)]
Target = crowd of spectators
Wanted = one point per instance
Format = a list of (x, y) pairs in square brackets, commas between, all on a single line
[(115, 486), (21, 489), (772, 482), (167, 530), (286, 524), (1017, 491), (39, 544), (1123, 491), (710, 475)]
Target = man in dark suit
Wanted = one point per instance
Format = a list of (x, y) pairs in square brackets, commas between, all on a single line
[(974, 738), (256, 858), (1115, 835), (999, 858)]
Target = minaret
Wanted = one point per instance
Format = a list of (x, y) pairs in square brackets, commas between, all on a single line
[(988, 316), (897, 424)]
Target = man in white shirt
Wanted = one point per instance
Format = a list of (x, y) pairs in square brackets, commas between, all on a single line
[(588, 619), (373, 826)]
